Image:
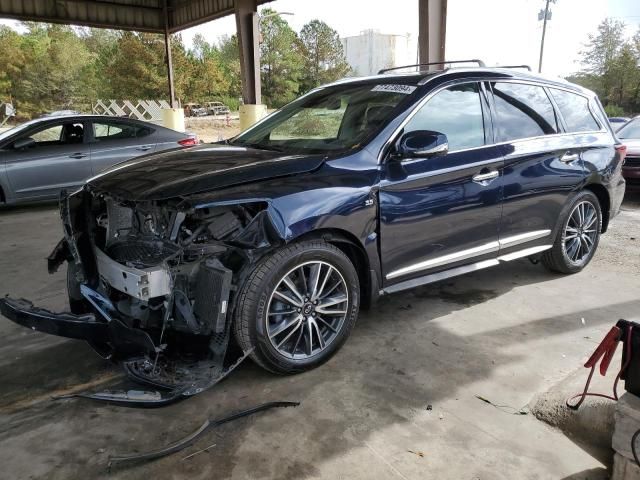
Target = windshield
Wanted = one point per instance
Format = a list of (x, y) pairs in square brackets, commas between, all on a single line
[(17, 129), (332, 119), (630, 130)]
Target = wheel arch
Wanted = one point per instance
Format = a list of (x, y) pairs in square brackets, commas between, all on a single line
[(351, 246), (605, 202)]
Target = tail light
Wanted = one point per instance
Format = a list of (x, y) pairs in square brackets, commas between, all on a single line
[(189, 142), (622, 150)]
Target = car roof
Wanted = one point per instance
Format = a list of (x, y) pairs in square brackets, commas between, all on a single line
[(476, 73)]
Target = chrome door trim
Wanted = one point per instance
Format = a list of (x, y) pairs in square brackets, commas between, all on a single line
[(473, 252), (522, 238), (443, 260), (454, 272)]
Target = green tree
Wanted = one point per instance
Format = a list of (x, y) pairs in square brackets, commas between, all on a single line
[(324, 59), (611, 67), (281, 59)]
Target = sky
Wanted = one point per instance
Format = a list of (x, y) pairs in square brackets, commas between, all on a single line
[(497, 31)]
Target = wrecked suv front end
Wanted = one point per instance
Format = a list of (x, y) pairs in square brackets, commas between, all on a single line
[(151, 283)]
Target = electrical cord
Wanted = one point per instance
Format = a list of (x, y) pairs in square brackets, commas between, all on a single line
[(586, 393), (633, 447)]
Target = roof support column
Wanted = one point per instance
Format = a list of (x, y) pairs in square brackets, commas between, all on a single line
[(432, 24), (167, 47), (247, 26)]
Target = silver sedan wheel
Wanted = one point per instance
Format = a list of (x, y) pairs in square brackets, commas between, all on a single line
[(581, 232), (307, 310)]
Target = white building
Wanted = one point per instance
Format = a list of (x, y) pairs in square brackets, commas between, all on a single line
[(371, 50)]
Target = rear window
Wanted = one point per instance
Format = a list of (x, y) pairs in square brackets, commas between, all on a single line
[(575, 111), (630, 130), (523, 111)]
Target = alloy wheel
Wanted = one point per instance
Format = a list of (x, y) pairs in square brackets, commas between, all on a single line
[(307, 309), (581, 232)]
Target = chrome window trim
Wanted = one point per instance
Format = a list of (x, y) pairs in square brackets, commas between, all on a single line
[(444, 86), (490, 247)]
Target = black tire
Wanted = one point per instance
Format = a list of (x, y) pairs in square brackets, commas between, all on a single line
[(251, 321), (557, 259)]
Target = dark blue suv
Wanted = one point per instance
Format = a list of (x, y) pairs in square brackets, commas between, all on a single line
[(364, 187)]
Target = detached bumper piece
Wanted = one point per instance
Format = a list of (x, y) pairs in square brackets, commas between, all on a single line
[(81, 327), (113, 338)]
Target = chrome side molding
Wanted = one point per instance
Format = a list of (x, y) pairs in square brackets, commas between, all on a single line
[(454, 272), (470, 253)]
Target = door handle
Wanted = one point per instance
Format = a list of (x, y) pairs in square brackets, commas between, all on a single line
[(486, 177), (77, 155), (144, 148), (569, 157)]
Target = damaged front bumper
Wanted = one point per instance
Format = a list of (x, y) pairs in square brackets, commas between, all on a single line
[(107, 333)]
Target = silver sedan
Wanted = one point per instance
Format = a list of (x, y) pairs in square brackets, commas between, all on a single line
[(41, 157)]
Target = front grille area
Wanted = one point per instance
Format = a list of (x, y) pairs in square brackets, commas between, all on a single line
[(141, 253)]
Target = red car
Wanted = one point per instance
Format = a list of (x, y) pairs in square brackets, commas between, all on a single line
[(630, 136)]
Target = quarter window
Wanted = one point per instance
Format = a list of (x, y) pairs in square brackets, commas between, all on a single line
[(575, 111), (522, 111), (456, 112), (118, 130)]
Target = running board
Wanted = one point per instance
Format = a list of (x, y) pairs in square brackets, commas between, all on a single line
[(454, 272)]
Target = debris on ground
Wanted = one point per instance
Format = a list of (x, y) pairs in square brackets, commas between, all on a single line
[(183, 443), (420, 454), (504, 408)]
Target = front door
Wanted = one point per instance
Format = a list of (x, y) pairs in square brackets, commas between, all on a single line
[(442, 212), (58, 159)]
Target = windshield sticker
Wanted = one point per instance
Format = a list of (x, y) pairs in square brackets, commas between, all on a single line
[(406, 89)]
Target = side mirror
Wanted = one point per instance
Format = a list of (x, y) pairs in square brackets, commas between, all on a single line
[(23, 143), (422, 144)]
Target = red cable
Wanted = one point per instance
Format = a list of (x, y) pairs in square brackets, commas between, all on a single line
[(585, 393)]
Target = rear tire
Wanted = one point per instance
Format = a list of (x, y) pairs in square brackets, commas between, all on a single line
[(578, 238), (298, 307)]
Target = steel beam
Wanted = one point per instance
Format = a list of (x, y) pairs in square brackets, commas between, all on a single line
[(247, 25), (432, 23), (167, 48)]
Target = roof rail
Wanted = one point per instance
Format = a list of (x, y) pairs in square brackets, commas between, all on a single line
[(526, 67), (474, 60)]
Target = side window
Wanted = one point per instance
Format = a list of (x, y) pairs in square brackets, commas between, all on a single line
[(575, 111), (456, 112), (65, 134), (522, 111), (118, 131)]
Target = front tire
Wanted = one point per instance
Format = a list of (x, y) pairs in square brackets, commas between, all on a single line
[(578, 239), (298, 307)]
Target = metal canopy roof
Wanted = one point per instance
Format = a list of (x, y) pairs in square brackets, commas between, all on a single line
[(140, 15)]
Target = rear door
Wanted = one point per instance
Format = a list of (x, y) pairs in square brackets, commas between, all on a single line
[(58, 160), (441, 212), (114, 141), (543, 164)]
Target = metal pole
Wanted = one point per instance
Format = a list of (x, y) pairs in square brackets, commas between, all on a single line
[(544, 31), (167, 46)]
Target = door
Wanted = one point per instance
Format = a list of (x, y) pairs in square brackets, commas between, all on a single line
[(114, 141), (58, 158), (542, 165), (441, 212)]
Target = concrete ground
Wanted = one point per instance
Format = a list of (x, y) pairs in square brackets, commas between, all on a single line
[(398, 401)]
